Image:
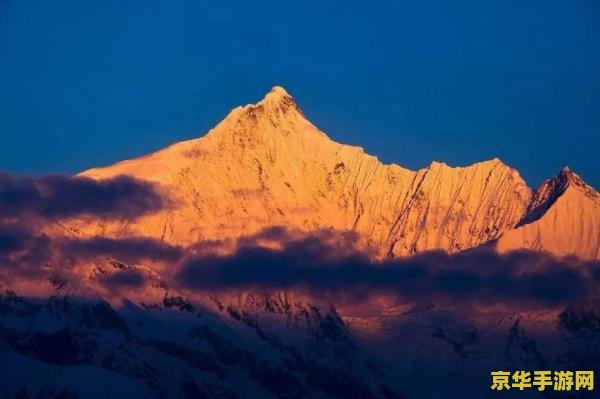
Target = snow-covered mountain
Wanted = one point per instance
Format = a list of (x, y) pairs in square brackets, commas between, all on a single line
[(156, 342), (94, 325), (267, 165), (563, 217)]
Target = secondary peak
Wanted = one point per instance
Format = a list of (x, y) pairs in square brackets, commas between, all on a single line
[(566, 169)]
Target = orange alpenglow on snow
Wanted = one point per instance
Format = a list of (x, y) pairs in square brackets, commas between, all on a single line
[(266, 165), (563, 218)]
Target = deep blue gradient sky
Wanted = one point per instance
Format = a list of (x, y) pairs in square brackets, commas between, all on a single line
[(87, 83)]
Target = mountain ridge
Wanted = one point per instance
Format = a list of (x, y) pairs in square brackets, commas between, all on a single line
[(266, 164)]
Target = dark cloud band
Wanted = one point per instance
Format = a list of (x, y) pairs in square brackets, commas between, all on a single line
[(58, 196), (476, 275)]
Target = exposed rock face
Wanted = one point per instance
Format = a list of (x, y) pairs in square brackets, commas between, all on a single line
[(267, 165), (563, 218)]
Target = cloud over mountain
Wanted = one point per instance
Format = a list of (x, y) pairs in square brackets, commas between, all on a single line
[(319, 265), (58, 196), (30, 204)]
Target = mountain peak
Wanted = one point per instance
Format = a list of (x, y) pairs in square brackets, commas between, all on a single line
[(275, 96), (551, 189), (277, 91), (277, 100), (275, 112), (562, 218), (566, 177)]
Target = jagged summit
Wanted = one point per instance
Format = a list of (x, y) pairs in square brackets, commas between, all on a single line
[(551, 189), (277, 93), (562, 217), (279, 100), (276, 100), (275, 115), (567, 178)]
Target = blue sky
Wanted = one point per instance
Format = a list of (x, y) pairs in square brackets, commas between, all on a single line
[(87, 83)]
